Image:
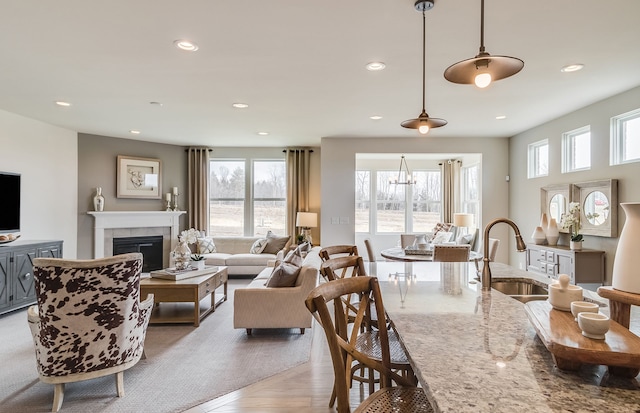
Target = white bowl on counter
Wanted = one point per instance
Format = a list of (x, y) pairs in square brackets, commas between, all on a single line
[(561, 298), (578, 307), (593, 325)]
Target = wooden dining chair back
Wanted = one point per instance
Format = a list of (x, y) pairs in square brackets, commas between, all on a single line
[(494, 243), (342, 342), (370, 251), (334, 251), (341, 267), (451, 253), (406, 240)]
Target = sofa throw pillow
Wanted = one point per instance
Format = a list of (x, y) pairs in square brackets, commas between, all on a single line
[(258, 246), (304, 249), (441, 226), (286, 273), (442, 237), (275, 243), (465, 239), (206, 245)]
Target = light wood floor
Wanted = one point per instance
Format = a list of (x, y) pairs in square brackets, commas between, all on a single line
[(302, 389)]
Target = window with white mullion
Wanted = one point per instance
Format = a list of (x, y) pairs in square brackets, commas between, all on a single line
[(576, 150), (538, 159), (625, 138)]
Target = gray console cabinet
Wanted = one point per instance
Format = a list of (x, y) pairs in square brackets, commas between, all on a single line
[(17, 287), (585, 266)]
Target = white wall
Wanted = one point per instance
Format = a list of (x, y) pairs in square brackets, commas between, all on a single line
[(338, 181), (46, 156), (525, 193)]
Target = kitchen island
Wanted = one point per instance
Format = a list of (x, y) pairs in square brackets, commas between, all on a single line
[(476, 351)]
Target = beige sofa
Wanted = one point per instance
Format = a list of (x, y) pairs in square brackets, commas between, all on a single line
[(234, 253), (258, 306)]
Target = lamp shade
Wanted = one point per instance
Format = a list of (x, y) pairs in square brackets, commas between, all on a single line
[(463, 220), (307, 219)]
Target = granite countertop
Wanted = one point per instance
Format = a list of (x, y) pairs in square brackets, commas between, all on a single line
[(476, 351)]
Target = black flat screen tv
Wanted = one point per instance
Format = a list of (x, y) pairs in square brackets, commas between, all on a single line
[(10, 204)]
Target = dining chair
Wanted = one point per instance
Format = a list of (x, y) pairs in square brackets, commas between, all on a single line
[(337, 250), (494, 243), (370, 251), (344, 347), (407, 240), (451, 253)]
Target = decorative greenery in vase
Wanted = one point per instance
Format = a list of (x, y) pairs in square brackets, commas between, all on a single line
[(571, 221), (197, 257)]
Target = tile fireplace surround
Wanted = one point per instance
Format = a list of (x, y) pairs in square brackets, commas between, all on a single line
[(113, 224)]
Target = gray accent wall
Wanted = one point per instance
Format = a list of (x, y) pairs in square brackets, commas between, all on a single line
[(524, 198), (97, 162)]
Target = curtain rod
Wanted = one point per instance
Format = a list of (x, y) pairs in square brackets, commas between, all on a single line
[(285, 150), (208, 149)]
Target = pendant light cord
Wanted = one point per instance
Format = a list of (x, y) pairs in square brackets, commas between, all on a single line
[(481, 26), (424, 53)]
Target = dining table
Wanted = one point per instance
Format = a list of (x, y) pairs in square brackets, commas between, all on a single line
[(399, 254), (476, 351)]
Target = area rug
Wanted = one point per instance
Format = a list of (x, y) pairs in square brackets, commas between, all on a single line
[(185, 366)]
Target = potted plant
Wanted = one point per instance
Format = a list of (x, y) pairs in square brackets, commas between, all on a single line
[(197, 261), (571, 221)]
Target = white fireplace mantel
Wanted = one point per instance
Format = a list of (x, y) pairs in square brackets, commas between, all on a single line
[(133, 219)]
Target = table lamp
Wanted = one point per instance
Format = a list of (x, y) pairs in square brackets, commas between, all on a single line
[(463, 220), (306, 221)]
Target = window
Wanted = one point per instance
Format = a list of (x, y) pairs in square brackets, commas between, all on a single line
[(576, 150), (363, 200), (538, 159), (625, 138), (397, 208), (470, 202), (247, 197)]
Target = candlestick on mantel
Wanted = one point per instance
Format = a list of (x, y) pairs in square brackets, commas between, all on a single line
[(167, 196), (175, 190)]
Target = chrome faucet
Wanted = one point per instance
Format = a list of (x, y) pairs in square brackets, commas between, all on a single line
[(486, 271)]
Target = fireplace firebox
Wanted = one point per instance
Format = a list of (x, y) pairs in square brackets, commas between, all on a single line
[(150, 247)]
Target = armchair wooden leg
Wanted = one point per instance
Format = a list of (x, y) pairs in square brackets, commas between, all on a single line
[(120, 383), (58, 396), (302, 331), (248, 331)]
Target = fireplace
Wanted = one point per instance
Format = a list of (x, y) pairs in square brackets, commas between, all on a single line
[(150, 247)]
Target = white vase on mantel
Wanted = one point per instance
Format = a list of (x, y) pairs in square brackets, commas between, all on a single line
[(553, 233), (627, 259)]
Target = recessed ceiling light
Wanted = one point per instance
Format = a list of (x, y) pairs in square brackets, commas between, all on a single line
[(375, 66), (186, 45), (572, 68), (263, 133), (156, 103), (135, 132), (375, 117), (500, 117), (61, 103), (240, 105)]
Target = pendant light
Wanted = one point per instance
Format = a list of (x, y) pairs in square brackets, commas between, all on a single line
[(423, 122), (484, 68), (400, 180)]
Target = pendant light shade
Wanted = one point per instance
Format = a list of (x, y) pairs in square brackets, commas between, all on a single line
[(423, 122), (484, 68)]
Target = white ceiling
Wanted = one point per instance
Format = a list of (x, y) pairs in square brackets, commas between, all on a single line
[(300, 65)]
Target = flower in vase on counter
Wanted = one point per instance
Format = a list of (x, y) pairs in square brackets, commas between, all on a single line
[(571, 221), (190, 236)]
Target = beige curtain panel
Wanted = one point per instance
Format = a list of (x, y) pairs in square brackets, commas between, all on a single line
[(298, 161), (198, 200), (450, 188)]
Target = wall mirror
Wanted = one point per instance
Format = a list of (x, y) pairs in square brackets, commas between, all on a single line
[(598, 207), (554, 201)]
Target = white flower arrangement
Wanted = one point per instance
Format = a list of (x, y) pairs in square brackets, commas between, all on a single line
[(190, 236), (571, 221)]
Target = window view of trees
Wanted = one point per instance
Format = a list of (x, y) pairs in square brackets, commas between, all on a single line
[(391, 214), (232, 211), (471, 191)]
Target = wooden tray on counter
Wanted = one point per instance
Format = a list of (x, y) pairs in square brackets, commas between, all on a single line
[(558, 330)]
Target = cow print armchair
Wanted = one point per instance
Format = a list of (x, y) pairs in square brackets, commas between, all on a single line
[(89, 321)]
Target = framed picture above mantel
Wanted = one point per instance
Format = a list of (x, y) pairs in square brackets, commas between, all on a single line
[(138, 177)]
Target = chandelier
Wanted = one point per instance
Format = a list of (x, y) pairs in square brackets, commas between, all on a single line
[(404, 176)]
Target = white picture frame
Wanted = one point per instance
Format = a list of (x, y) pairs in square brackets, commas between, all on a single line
[(138, 177)]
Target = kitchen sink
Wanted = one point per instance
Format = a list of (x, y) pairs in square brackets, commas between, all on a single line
[(521, 289)]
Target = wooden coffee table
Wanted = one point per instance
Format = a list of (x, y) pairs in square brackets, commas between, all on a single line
[(179, 301)]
